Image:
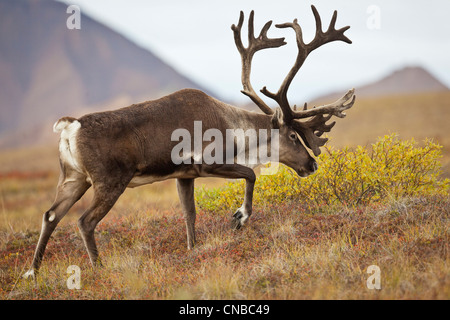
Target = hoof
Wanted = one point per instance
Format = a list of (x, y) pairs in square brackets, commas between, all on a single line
[(30, 274), (238, 220)]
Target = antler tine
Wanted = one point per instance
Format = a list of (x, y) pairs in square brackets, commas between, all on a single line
[(303, 51), (310, 135), (281, 96), (237, 33), (336, 108), (254, 44), (330, 35), (311, 130)]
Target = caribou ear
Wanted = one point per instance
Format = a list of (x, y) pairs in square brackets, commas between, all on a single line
[(277, 119)]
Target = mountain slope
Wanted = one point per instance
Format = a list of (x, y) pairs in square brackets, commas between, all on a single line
[(47, 70), (403, 81), (407, 80)]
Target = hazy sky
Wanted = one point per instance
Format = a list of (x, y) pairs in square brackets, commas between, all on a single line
[(195, 38)]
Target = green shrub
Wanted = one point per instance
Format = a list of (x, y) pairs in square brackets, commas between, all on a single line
[(390, 169)]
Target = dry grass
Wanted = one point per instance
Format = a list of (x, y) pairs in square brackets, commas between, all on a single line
[(285, 252)]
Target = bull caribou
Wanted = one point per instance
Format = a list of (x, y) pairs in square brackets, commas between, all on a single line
[(133, 146)]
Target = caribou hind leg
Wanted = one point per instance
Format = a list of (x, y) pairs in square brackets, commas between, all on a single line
[(105, 196), (71, 187)]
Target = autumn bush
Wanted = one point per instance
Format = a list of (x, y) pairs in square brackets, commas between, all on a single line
[(389, 169)]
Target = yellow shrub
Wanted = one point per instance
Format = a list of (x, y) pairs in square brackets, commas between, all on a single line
[(390, 169)]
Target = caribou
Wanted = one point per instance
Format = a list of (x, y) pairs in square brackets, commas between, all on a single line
[(133, 146)]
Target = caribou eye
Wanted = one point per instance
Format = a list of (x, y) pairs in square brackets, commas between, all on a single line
[(293, 136)]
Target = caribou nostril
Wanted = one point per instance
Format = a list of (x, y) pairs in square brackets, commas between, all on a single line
[(315, 166)]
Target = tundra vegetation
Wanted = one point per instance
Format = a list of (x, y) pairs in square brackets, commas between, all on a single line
[(384, 204)]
